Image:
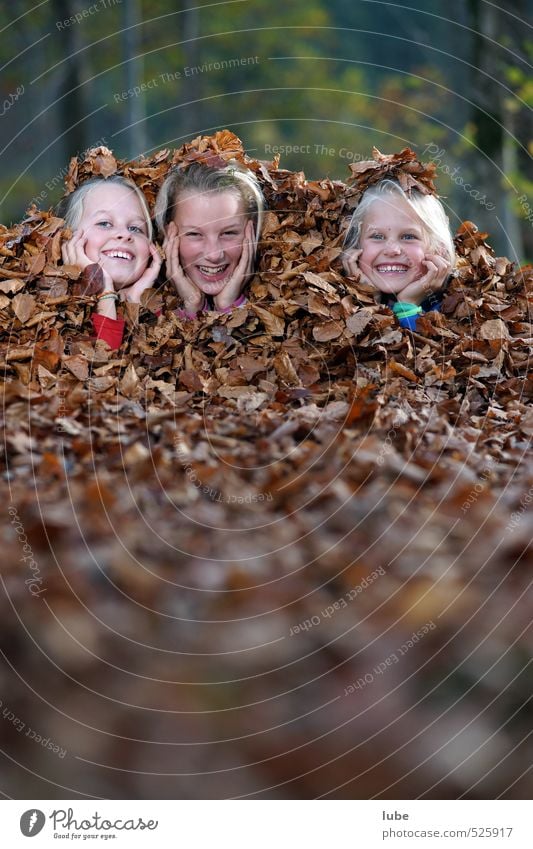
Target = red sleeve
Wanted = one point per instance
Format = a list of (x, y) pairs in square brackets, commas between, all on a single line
[(111, 330)]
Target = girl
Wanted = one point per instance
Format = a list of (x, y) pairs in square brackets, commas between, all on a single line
[(112, 229), (402, 245), (211, 220)]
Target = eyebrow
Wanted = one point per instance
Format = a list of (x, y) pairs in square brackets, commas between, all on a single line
[(111, 212), (416, 227)]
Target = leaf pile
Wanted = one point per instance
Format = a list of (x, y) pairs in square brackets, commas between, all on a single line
[(235, 524), (403, 166)]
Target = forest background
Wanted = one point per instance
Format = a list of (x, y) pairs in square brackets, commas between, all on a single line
[(319, 81)]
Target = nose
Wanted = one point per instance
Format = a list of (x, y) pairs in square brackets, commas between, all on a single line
[(393, 247), (214, 251), (122, 232)]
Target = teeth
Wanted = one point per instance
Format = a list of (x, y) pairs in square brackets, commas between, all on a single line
[(209, 269), (391, 268), (119, 255)]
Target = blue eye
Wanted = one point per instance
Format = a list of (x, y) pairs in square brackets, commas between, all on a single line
[(376, 236), (136, 229), (409, 236), (103, 223)]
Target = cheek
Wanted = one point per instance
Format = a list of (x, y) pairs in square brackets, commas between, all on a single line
[(187, 251), (417, 254), (367, 255), (144, 253), (94, 241), (234, 250)]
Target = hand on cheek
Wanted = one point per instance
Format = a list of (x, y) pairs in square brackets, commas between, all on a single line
[(351, 263), (73, 252), (193, 299), (148, 278), (432, 281), (243, 270)]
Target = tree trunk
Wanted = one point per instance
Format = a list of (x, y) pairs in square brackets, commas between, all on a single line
[(135, 116), (71, 111)]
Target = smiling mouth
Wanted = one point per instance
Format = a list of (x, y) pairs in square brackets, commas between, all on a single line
[(392, 268), (124, 255), (212, 270)]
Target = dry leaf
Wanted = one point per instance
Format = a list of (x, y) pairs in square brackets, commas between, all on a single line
[(23, 307)]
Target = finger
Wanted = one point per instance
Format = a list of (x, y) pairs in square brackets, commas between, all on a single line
[(252, 246), (156, 261), (246, 255)]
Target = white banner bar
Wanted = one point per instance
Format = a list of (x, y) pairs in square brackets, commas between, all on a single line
[(264, 824)]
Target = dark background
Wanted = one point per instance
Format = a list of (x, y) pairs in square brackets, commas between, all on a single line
[(333, 77)]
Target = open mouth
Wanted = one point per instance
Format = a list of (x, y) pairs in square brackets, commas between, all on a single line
[(392, 268), (122, 255), (214, 273)]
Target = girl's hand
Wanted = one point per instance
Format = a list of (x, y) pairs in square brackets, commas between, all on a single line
[(350, 262), (133, 293), (190, 294), (73, 253), (437, 272), (243, 270)]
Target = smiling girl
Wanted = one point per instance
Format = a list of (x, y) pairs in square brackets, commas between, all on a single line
[(112, 230), (210, 219), (402, 245)]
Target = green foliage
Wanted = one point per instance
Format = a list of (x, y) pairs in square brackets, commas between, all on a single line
[(324, 81)]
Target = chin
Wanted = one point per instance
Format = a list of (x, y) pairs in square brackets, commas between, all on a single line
[(392, 287), (211, 289), (119, 285)]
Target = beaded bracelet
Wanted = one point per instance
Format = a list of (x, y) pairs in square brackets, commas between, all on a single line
[(107, 295)]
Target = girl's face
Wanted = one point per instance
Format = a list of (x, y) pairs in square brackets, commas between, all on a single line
[(393, 245), (116, 232), (211, 234)]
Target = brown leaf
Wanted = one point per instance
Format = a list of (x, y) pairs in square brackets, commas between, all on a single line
[(77, 365), (494, 329), (36, 265), (129, 385), (11, 286), (45, 377), (317, 305), (358, 322), (328, 330), (45, 357), (273, 323), (23, 307), (190, 379), (91, 281), (403, 371), (103, 161), (285, 369)]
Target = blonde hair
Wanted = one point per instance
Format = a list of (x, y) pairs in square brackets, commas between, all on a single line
[(71, 207), (427, 208), (200, 178)]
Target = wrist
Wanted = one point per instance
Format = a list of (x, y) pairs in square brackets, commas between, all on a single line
[(414, 298), (222, 306), (193, 306), (406, 309)]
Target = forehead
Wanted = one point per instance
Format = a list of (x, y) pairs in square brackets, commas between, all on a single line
[(204, 208), (391, 211), (112, 198)]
